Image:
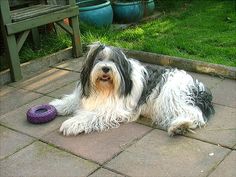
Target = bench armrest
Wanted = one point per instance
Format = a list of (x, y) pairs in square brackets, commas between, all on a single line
[(61, 2)]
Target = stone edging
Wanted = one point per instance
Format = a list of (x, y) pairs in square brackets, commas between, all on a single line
[(34, 66), (181, 63)]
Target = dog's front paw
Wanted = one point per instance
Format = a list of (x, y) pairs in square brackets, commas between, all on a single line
[(72, 127)]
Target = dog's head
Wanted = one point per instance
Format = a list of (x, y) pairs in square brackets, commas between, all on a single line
[(106, 70)]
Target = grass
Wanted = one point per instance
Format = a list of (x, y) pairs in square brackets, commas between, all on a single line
[(199, 30), (49, 44), (195, 29)]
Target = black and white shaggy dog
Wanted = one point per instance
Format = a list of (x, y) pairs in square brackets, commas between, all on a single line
[(114, 89)]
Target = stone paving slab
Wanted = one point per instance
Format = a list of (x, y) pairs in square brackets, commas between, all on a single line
[(12, 141), (40, 160), (221, 129), (68, 89), (17, 120), (12, 98), (227, 167), (48, 81), (157, 154), (72, 65), (207, 80), (99, 147), (225, 93), (5, 90), (105, 173)]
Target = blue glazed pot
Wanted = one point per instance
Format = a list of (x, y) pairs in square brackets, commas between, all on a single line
[(96, 12), (127, 12), (149, 7)]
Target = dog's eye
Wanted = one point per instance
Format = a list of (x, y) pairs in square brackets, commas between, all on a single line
[(99, 59)]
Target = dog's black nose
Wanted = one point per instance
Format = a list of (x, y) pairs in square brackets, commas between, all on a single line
[(105, 69)]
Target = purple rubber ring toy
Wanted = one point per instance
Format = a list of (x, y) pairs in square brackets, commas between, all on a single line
[(41, 114)]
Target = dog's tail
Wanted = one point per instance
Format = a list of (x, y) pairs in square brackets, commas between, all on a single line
[(203, 99)]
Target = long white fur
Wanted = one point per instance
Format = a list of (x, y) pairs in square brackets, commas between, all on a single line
[(172, 109), (174, 106)]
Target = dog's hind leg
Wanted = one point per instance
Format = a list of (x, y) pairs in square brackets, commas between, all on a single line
[(68, 104), (184, 124)]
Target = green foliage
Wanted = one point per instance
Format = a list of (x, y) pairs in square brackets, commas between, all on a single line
[(49, 44), (200, 30)]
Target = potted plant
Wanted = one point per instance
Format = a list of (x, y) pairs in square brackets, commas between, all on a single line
[(131, 11), (95, 12)]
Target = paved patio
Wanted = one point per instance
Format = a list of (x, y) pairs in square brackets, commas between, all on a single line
[(134, 149)]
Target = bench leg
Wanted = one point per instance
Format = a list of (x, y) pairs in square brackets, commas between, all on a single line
[(36, 40), (76, 42), (13, 57)]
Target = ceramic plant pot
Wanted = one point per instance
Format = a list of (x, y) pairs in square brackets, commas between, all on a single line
[(96, 12), (127, 12)]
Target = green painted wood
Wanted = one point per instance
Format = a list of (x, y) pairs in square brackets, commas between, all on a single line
[(15, 3), (12, 54), (10, 42), (76, 41), (72, 2), (38, 10), (21, 10), (36, 39), (25, 19), (21, 39), (67, 28), (16, 27), (5, 11)]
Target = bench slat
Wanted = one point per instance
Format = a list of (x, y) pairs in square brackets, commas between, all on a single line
[(42, 19), (37, 11), (21, 10)]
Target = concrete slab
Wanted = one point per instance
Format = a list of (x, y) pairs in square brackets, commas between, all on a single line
[(157, 154), (207, 80), (12, 141), (105, 173), (227, 167), (5, 90), (12, 98), (224, 93), (40, 159), (17, 120), (221, 128), (72, 65), (99, 147), (68, 89), (48, 81)]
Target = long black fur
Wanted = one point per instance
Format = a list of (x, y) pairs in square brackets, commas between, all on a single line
[(203, 99), (86, 70), (153, 78), (125, 69)]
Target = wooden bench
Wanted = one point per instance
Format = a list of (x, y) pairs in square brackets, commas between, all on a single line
[(19, 17)]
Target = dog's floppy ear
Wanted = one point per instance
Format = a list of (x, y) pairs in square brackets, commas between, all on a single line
[(125, 70), (95, 48)]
